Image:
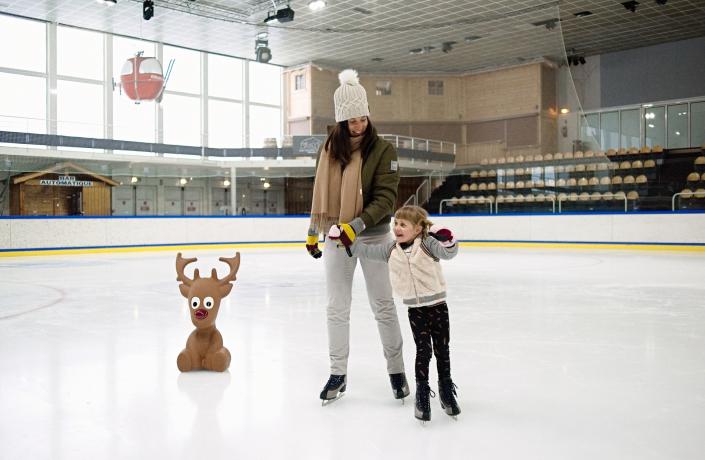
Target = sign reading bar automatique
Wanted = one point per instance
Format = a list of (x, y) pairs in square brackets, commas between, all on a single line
[(67, 181)]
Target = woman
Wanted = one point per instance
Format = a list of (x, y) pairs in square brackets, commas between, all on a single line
[(356, 189)]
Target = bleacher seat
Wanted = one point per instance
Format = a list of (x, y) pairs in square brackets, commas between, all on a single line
[(573, 196), (594, 181), (603, 166), (572, 182), (510, 185), (529, 198), (619, 196), (657, 149), (637, 164), (605, 180), (529, 184), (686, 193), (613, 166), (592, 167), (561, 183), (570, 168), (483, 173), (493, 161), (482, 187), (633, 151), (702, 177), (579, 154), (699, 193), (628, 180), (560, 169), (622, 151), (567, 155), (464, 188), (539, 183), (625, 165), (649, 164), (645, 149), (510, 159), (473, 187), (548, 157), (558, 156), (595, 196), (491, 186), (550, 183), (492, 173), (582, 182), (520, 184), (540, 197), (617, 180), (641, 179), (484, 161), (501, 161), (519, 158), (474, 174), (693, 177), (538, 157), (562, 196), (589, 154), (611, 152), (607, 196), (519, 171), (580, 168), (633, 195), (700, 161), (500, 199)]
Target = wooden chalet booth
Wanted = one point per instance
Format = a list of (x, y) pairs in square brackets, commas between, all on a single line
[(65, 189)]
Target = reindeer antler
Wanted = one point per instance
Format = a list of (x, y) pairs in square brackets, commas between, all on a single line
[(234, 263), (181, 263)]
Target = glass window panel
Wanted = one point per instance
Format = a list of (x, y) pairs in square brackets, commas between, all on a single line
[(631, 137), (79, 109), (28, 38), (678, 126), (79, 53), (133, 122), (224, 124), (224, 76), (264, 122), (126, 48), (609, 130), (589, 125), (182, 120), (697, 124), (265, 83), (655, 126), (186, 73), (23, 103)]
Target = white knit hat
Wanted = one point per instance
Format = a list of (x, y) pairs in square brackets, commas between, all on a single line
[(350, 98)]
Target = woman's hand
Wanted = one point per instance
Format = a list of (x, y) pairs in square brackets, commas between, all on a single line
[(312, 246)]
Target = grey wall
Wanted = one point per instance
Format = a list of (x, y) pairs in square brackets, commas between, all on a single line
[(668, 71)]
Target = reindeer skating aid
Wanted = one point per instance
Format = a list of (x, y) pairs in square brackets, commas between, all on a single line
[(204, 347)]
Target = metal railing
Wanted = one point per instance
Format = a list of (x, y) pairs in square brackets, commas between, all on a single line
[(417, 143), (448, 200), (553, 206), (560, 201)]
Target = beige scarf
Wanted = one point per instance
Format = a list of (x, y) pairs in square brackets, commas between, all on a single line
[(337, 194)]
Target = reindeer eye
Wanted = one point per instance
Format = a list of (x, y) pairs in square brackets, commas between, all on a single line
[(195, 302), (208, 302)]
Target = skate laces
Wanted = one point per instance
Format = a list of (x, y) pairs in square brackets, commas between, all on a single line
[(334, 381), (397, 381)]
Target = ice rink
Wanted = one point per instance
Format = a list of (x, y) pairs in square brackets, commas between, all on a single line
[(557, 354)]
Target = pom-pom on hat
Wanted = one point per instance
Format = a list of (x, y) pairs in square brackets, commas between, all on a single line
[(350, 98)]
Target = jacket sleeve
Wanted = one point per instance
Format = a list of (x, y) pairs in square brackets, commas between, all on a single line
[(379, 252), (385, 184), (438, 250)]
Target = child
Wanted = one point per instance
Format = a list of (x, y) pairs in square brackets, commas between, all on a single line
[(416, 276)]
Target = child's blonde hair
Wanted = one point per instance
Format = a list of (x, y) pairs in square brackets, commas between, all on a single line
[(416, 215)]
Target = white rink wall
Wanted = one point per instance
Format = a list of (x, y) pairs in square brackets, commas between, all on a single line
[(48, 233)]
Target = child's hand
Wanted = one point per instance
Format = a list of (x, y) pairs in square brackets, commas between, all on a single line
[(443, 235)]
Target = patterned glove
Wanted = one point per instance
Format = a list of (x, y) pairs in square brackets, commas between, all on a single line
[(443, 235), (343, 233), (312, 246)]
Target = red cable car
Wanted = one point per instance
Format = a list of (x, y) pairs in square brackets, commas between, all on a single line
[(142, 78)]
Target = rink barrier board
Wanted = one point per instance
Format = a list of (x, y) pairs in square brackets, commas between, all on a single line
[(679, 247)]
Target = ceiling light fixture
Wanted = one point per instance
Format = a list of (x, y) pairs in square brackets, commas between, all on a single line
[(147, 10), (582, 14), (262, 52), (549, 24), (447, 47), (281, 16), (630, 5), (472, 38), (315, 5), (661, 2), (107, 2)]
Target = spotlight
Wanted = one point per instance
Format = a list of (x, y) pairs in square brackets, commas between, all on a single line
[(630, 5), (447, 47), (549, 24), (107, 2), (262, 52), (283, 15), (315, 5), (147, 10), (661, 2)]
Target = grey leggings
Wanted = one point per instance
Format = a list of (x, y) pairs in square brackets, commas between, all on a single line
[(339, 279)]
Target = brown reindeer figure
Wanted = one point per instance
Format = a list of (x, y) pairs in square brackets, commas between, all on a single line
[(204, 347)]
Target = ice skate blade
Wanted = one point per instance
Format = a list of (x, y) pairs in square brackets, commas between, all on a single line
[(326, 402)]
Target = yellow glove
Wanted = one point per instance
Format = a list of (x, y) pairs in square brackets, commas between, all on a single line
[(312, 246)]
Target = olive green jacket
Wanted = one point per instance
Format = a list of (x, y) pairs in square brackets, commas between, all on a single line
[(380, 183)]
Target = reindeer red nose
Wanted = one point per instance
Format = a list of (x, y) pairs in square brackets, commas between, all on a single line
[(201, 314)]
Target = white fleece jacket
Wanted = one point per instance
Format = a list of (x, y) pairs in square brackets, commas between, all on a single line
[(417, 276)]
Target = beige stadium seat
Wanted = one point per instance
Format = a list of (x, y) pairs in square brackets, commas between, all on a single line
[(641, 179), (607, 196), (529, 198), (519, 158), (605, 181), (573, 196), (509, 172), (550, 183), (501, 185), (491, 186), (596, 196), (483, 173), (613, 166), (592, 167), (603, 166), (637, 164), (619, 196), (501, 161), (686, 193), (628, 180), (454, 201), (474, 174), (579, 154), (582, 182), (509, 198), (529, 184), (464, 188), (693, 177), (562, 196), (594, 181), (589, 154), (493, 161), (622, 151), (625, 165), (570, 168), (463, 200), (560, 169), (633, 195), (510, 159), (491, 173), (538, 157), (520, 184), (633, 151), (567, 155), (481, 200), (500, 199), (702, 178), (611, 152), (572, 182), (700, 160), (539, 183), (699, 193), (484, 161), (540, 197), (645, 149), (473, 187), (558, 156), (649, 164), (617, 180), (510, 185), (561, 183), (519, 171), (657, 149), (482, 187), (548, 157), (490, 199), (580, 168)]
